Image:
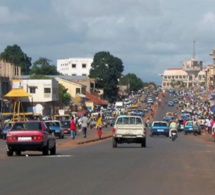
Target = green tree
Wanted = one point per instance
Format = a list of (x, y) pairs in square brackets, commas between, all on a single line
[(132, 81), (16, 56), (42, 67), (107, 69), (64, 97)]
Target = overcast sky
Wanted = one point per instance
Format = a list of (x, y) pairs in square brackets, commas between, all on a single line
[(149, 36)]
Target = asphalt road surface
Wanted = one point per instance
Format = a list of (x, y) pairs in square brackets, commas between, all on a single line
[(164, 167)]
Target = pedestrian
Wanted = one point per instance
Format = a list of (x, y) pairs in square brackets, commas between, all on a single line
[(99, 124), (208, 122), (84, 123), (72, 128)]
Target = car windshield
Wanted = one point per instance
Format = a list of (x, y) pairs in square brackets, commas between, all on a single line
[(26, 126), (169, 114), (189, 123), (160, 124), (65, 123), (129, 120)]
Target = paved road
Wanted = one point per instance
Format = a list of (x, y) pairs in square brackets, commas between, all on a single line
[(166, 168)]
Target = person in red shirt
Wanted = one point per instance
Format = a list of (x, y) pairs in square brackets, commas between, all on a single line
[(72, 127)]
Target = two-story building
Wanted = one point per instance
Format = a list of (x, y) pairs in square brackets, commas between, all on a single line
[(74, 66), (44, 95)]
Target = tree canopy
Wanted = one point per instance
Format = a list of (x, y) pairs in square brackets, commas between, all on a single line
[(132, 81), (107, 69), (16, 56), (42, 67)]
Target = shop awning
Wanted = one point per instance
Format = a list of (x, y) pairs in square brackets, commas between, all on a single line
[(15, 93)]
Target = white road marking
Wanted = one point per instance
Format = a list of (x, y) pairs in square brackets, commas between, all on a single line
[(58, 156)]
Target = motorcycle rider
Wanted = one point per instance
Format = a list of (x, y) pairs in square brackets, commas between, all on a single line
[(172, 126)]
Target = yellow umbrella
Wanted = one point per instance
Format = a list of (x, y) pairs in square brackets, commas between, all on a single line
[(17, 93)]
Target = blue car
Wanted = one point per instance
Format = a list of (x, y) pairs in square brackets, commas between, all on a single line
[(55, 127), (175, 101), (169, 116), (159, 128), (170, 103), (188, 128)]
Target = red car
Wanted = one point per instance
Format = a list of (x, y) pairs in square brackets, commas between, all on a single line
[(30, 135)]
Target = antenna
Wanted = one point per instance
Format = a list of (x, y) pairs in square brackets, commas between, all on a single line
[(194, 53)]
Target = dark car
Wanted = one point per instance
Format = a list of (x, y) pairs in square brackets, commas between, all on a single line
[(66, 126), (170, 103), (181, 104), (175, 101), (180, 125), (30, 136)]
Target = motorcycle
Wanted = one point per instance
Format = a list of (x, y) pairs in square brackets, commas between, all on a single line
[(173, 134)]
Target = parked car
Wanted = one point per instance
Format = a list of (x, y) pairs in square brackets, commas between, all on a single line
[(159, 128), (66, 126), (32, 136), (55, 127)]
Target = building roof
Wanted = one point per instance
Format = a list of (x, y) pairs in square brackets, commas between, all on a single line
[(96, 100), (174, 71)]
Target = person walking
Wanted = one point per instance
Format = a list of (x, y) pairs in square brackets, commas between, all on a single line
[(72, 128), (99, 125), (84, 123)]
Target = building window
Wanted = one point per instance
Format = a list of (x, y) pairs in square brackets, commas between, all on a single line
[(73, 74), (47, 90), (78, 90), (84, 66), (73, 65), (84, 75), (32, 89)]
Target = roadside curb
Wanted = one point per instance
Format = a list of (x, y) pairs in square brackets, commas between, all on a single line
[(93, 140)]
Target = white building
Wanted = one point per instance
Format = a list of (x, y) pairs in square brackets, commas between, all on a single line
[(74, 66), (178, 77), (190, 75), (43, 94)]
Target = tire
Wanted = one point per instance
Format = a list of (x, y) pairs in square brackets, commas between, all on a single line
[(114, 143), (10, 152), (173, 138), (45, 150), (53, 150), (143, 143), (18, 153)]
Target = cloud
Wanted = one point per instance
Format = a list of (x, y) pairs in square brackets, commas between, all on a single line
[(148, 36), (7, 16)]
